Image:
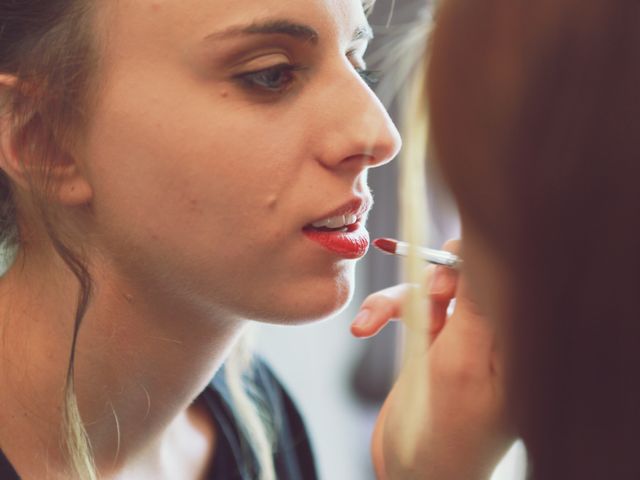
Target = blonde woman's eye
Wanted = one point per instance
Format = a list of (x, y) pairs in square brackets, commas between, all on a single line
[(273, 79)]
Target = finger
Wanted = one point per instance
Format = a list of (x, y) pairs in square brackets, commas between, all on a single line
[(462, 291), (445, 280), (466, 298), (440, 296), (378, 309), (443, 285), (441, 292), (381, 307)]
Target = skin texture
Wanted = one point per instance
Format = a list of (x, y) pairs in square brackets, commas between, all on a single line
[(465, 430), (190, 192)]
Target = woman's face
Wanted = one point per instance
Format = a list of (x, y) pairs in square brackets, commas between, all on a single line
[(223, 130)]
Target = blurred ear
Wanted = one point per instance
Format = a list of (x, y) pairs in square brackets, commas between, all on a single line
[(30, 168)]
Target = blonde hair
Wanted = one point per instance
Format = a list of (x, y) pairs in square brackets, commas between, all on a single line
[(409, 69), (256, 425)]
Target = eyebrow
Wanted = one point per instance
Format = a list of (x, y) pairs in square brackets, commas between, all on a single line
[(284, 27)]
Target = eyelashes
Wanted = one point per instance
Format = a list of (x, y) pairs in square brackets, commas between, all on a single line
[(276, 79), (279, 78), (370, 77)]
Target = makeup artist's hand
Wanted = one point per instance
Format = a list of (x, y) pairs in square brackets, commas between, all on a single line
[(464, 431)]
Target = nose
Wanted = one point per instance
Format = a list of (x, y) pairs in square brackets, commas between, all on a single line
[(357, 130)]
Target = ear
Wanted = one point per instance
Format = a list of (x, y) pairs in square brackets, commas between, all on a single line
[(23, 162)]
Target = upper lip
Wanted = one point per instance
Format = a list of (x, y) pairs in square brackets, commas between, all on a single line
[(358, 206)]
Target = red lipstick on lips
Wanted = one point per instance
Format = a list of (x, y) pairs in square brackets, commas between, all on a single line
[(349, 242)]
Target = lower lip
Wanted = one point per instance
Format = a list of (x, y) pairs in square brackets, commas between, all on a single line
[(351, 244)]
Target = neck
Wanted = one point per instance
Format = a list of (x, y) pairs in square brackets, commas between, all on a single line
[(141, 360)]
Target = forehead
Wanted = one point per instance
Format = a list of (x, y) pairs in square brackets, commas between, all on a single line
[(183, 22)]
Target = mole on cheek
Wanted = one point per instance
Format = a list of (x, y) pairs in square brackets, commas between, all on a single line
[(224, 94), (272, 201)]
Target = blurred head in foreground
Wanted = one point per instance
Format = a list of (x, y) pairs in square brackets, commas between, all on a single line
[(535, 117)]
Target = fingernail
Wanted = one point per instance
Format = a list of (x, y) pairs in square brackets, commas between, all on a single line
[(362, 319)]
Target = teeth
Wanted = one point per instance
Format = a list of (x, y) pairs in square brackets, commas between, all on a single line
[(321, 223), (336, 222)]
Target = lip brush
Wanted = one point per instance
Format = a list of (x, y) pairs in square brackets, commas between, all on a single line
[(437, 257)]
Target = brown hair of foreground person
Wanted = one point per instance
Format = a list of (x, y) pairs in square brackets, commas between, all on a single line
[(535, 111)]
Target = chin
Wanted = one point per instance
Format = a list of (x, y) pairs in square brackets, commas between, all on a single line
[(309, 301)]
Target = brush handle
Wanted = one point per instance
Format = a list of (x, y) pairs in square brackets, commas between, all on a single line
[(437, 257)]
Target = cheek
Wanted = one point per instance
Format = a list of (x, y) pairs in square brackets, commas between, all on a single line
[(188, 166), (178, 138)]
